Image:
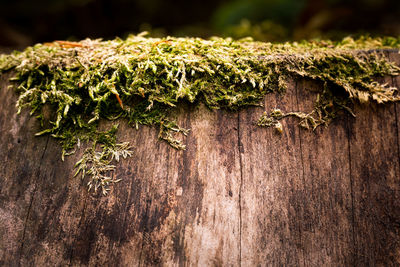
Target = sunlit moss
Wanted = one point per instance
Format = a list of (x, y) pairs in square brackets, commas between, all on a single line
[(143, 79)]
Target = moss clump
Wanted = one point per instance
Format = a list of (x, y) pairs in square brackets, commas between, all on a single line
[(143, 80)]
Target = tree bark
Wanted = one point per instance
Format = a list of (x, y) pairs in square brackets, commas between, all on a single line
[(238, 195)]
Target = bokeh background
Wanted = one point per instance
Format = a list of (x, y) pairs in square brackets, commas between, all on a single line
[(24, 22)]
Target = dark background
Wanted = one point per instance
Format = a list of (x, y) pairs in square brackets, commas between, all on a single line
[(24, 22)]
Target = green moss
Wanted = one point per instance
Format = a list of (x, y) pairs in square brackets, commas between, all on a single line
[(143, 80)]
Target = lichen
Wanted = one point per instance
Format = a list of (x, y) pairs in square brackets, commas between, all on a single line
[(143, 80)]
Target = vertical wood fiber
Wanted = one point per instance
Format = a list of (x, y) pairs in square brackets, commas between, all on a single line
[(238, 195)]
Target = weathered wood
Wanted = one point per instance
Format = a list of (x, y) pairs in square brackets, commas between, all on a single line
[(238, 195), (375, 177), (327, 219), (375, 174), (271, 192)]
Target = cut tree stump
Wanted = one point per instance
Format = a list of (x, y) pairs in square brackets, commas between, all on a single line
[(238, 195)]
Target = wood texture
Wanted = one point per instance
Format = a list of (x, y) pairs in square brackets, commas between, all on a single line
[(272, 189), (327, 224), (238, 195)]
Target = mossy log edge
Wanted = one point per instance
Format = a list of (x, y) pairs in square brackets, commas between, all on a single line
[(238, 195)]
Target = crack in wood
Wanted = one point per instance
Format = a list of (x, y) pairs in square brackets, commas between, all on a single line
[(79, 226), (302, 166), (31, 200), (240, 148), (351, 189)]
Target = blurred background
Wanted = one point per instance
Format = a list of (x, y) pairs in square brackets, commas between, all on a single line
[(25, 22)]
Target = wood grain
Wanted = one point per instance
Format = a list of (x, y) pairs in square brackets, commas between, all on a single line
[(375, 176), (272, 194), (327, 219), (238, 195)]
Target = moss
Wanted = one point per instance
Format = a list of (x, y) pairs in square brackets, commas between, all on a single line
[(143, 80)]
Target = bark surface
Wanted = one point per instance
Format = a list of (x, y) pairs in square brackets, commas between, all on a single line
[(238, 195)]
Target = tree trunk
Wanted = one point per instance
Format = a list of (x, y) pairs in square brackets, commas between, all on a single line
[(238, 195)]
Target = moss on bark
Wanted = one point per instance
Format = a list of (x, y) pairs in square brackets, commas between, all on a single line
[(143, 80)]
